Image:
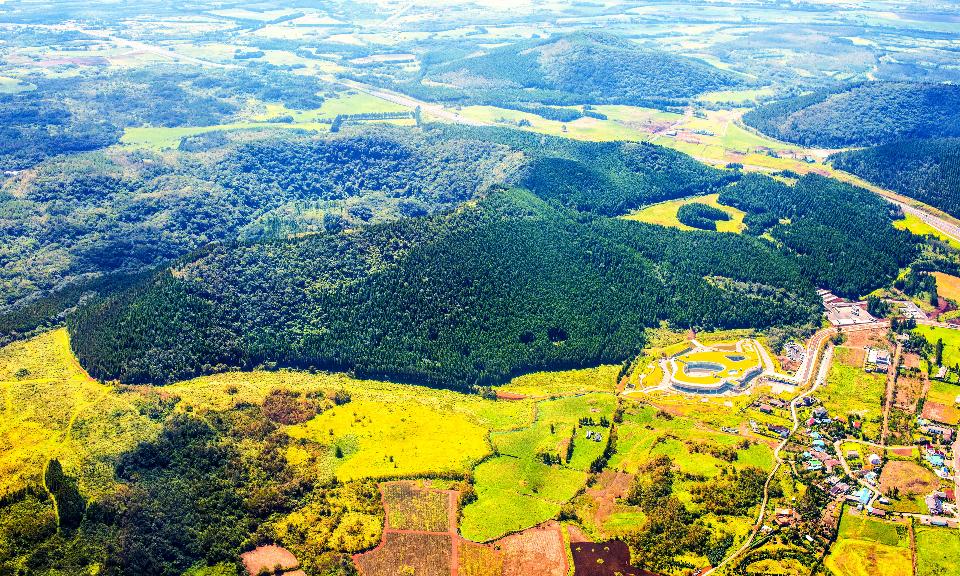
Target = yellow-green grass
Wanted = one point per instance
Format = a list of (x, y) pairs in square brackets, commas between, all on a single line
[(384, 439), (540, 384), (917, 226), (590, 129), (851, 390), (951, 342), (946, 394), (52, 409), (13, 85), (665, 213), (516, 490), (348, 103), (867, 547), (644, 435), (948, 286), (938, 550)]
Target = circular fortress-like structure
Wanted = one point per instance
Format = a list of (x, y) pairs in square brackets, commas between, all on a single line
[(715, 371)]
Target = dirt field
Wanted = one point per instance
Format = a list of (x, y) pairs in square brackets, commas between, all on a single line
[(855, 357), (268, 558), (410, 506), (408, 553), (610, 486), (911, 360), (908, 477), (908, 392), (864, 338), (940, 412), (479, 560), (604, 559), (534, 552)]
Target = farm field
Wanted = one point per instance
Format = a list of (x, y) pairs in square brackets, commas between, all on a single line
[(911, 483), (516, 489), (665, 214), (941, 404), (937, 550), (850, 390), (951, 342), (948, 286), (867, 547)]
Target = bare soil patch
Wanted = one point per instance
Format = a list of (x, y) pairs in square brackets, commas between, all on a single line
[(408, 553), (534, 552), (908, 477), (604, 559), (909, 390), (939, 412), (855, 356), (865, 338), (610, 486), (269, 558)]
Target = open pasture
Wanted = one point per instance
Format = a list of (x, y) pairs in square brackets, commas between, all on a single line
[(379, 439), (917, 226), (867, 547), (851, 390), (948, 286), (937, 550), (941, 404), (53, 409), (951, 341), (544, 384), (665, 213)]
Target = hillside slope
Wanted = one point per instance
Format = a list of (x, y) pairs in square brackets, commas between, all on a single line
[(586, 67), (927, 170), (863, 115), (471, 297)]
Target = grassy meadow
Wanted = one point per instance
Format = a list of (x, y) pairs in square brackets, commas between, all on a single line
[(867, 547), (665, 214), (851, 390)]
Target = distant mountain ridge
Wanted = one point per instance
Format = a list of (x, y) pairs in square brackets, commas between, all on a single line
[(584, 67)]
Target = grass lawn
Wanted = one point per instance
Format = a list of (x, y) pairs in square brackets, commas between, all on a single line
[(381, 439), (850, 390), (665, 213), (951, 342), (938, 550), (867, 547), (920, 228)]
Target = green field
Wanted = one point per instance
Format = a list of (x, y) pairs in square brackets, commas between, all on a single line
[(540, 384), (850, 390), (517, 490), (745, 96), (867, 547), (665, 214), (951, 342), (590, 129), (938, 550)]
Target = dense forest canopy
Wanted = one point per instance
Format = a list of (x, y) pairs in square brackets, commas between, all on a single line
[(927, 170), (863, 115), (153, 208), (457, 300)]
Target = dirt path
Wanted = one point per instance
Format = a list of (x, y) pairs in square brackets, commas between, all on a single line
[(913, 547), (891, 389)]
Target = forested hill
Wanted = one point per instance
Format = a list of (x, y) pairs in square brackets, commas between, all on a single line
[(470, 297), (585, 67), (863, 115), (928, 170)]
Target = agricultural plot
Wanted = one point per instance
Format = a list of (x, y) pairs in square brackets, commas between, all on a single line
[(867, 547), (602, 559), (941, 404), (378, 439), (937, 550), (665, 214), (413, 507), (852, 391), (517, 489), (951, 342), (405, 553), (537, 551), (948, 286), (906, 483)]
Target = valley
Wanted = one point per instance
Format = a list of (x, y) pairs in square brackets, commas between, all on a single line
[(382, 288)]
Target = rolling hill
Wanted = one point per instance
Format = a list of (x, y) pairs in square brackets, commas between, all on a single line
[(928, 170), (863, 115), (467, 298), (585, 67)]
